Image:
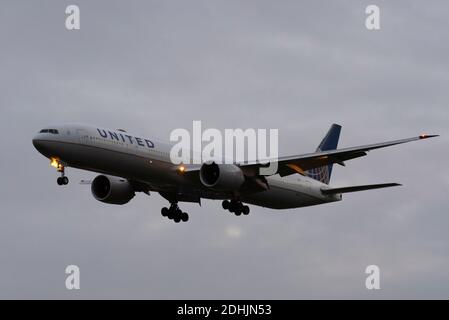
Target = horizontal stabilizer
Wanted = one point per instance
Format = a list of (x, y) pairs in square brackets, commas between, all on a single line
[(358, 188)]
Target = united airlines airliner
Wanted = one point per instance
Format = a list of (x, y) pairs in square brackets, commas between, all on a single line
[(129, 163)]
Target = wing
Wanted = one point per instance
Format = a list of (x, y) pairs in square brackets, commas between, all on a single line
[(301, 163)]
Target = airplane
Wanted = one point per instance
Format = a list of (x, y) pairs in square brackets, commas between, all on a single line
[(129, 163)]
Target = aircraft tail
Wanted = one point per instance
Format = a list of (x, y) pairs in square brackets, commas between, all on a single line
[(329, 142)]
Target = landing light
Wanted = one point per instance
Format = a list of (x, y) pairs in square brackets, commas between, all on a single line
[(54, 162), (425, 136), (182, 169)]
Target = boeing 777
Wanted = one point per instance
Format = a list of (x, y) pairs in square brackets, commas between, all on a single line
[(128, 163)]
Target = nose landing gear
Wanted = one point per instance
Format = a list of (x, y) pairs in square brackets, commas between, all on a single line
[(174, 213), (62, 180), (236, 207)]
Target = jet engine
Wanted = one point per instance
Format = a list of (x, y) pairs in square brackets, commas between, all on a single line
[(223, 177), (112, 190)]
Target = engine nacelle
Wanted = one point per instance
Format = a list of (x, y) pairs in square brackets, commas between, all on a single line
[(112, 190), (224, 177)]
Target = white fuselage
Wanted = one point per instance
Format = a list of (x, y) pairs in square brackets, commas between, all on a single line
[(144, 160)]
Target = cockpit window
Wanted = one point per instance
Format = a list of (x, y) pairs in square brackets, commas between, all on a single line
[(53, 131)]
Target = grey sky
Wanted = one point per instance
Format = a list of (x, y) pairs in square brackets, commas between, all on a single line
[(152, 66)]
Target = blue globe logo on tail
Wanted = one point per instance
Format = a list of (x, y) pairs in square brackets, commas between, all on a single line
[(329, 142)]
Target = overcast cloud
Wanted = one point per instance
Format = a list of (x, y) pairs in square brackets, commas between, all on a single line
[(153, 66)]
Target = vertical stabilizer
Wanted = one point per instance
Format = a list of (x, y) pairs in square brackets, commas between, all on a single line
[(329, 142)]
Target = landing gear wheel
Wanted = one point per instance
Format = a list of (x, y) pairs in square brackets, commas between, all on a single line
[(232, 206), (238, 208), (65, 180), (174, 213), (59, 181), (184, 217)]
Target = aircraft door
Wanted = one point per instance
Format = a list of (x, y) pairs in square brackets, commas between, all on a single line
[(83, 137)]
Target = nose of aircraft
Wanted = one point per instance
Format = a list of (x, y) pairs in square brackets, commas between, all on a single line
[(40, 145), (36, 143)]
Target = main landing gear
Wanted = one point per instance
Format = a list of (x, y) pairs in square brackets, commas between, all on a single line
[(237, 207), (62, 180), (174, 213)]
